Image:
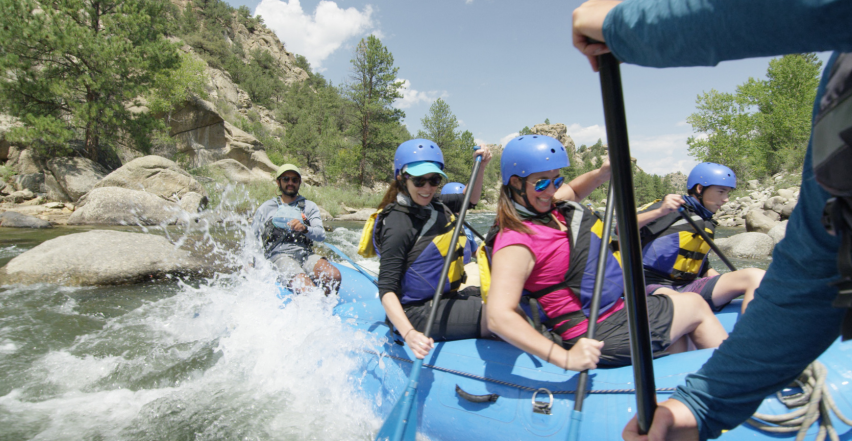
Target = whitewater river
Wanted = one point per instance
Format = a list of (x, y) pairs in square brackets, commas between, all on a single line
[(179, 360)]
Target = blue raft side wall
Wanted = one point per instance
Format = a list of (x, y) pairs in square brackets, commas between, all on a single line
[(446, 416)]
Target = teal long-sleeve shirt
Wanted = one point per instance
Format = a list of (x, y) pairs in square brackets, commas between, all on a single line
[(791, 321)]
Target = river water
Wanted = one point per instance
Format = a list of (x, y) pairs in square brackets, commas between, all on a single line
[(183, 359)]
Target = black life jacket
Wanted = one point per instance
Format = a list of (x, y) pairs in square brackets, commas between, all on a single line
[(671, 248), (832, 161), (585, 230), (272, 236), (425, 260)]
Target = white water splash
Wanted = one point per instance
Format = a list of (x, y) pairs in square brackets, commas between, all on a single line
[(219, 359)]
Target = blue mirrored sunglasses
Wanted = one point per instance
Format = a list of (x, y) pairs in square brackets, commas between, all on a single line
[(542, 184)]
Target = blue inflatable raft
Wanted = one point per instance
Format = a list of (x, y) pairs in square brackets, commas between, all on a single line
[(488, 389)]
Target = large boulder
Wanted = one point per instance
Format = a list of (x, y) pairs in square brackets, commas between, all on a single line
[(234, 171), (24, 161), (122, 206), (747, 245), (155, 175), (68, 179), (559, 132), (18, 197), (205, 137), (33, 182), (757, 221), (100, 257), (11, 219), (778, 232), (193, 202)]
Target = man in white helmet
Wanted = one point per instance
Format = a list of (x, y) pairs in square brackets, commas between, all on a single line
[(287, 226)]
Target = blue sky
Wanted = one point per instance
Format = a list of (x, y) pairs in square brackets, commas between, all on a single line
[(502, 65)]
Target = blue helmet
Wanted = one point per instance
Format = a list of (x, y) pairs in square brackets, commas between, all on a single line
[(710, 173), (530, 154), (417, 150), (453, 188)]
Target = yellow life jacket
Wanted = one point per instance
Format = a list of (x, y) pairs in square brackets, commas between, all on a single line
[(671, 248)]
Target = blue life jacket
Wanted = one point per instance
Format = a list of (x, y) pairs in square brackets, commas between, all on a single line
[(672, 249)]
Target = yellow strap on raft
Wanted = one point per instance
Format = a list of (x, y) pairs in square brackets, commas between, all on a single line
[(484, 272), (365, 246), (645, 207)]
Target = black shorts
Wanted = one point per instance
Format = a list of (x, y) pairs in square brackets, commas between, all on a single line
[(614, 332), (459, 315)]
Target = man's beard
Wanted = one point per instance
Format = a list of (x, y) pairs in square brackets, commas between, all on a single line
[(290, 193)]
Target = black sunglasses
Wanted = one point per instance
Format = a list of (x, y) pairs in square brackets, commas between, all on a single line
[(420, 181), (287, 179)]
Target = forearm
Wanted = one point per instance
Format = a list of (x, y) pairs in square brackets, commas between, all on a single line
[(476, 191), (648, 217), (393, 308), (513, 328), (316, 233), (706, 32), (582, 186)]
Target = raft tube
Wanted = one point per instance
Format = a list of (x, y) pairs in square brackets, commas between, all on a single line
[(493, 390)]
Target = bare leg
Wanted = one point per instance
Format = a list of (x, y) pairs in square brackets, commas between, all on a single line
[(328, 276), (742, 282), (301, 283), (693, 317)]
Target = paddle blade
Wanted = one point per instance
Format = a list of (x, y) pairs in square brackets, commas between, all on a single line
[(403, 414)]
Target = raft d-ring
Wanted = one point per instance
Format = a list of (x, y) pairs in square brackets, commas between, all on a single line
[(542, 407)]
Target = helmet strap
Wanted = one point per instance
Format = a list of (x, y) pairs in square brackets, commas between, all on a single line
[(523, 194)]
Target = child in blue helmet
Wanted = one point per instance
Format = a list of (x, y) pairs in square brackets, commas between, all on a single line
[(542, 253), (470, 248), (410, 237), (675, 256)]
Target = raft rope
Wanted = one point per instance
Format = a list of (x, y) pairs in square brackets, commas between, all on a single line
[(813, 402), (517, 386)]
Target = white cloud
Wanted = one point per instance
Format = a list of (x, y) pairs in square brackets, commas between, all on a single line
[(317, 35), (586, 135), (662, 154), (411, 97), (479, 141), (508, 138)]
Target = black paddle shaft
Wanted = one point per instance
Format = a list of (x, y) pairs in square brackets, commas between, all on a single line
[(707, 239), (596, 295), (628, 238), (452, 251)]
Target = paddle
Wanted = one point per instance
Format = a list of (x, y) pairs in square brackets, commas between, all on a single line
[(706, 238), (577, 415), (403, 416), (628, 232), (360, 269)]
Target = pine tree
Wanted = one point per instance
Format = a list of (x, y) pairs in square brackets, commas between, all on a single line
[(71, 67), (372, 91)]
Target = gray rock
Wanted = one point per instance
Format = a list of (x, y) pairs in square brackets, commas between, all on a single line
[(3, 186), (751, 245), (74, 176), (193, 202), (100, 257), (234, 171), (778, 232), (155, 175), (360, 215), (33, 182), (19, 197), (787, 209), (772, 215), (24, 161), (11, 219), (757, 221), (786, 193), (121, 206), (324, 214), (754, 184), (775, 203)]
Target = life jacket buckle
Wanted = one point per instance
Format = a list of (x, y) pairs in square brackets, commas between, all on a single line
[(542, 407)]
